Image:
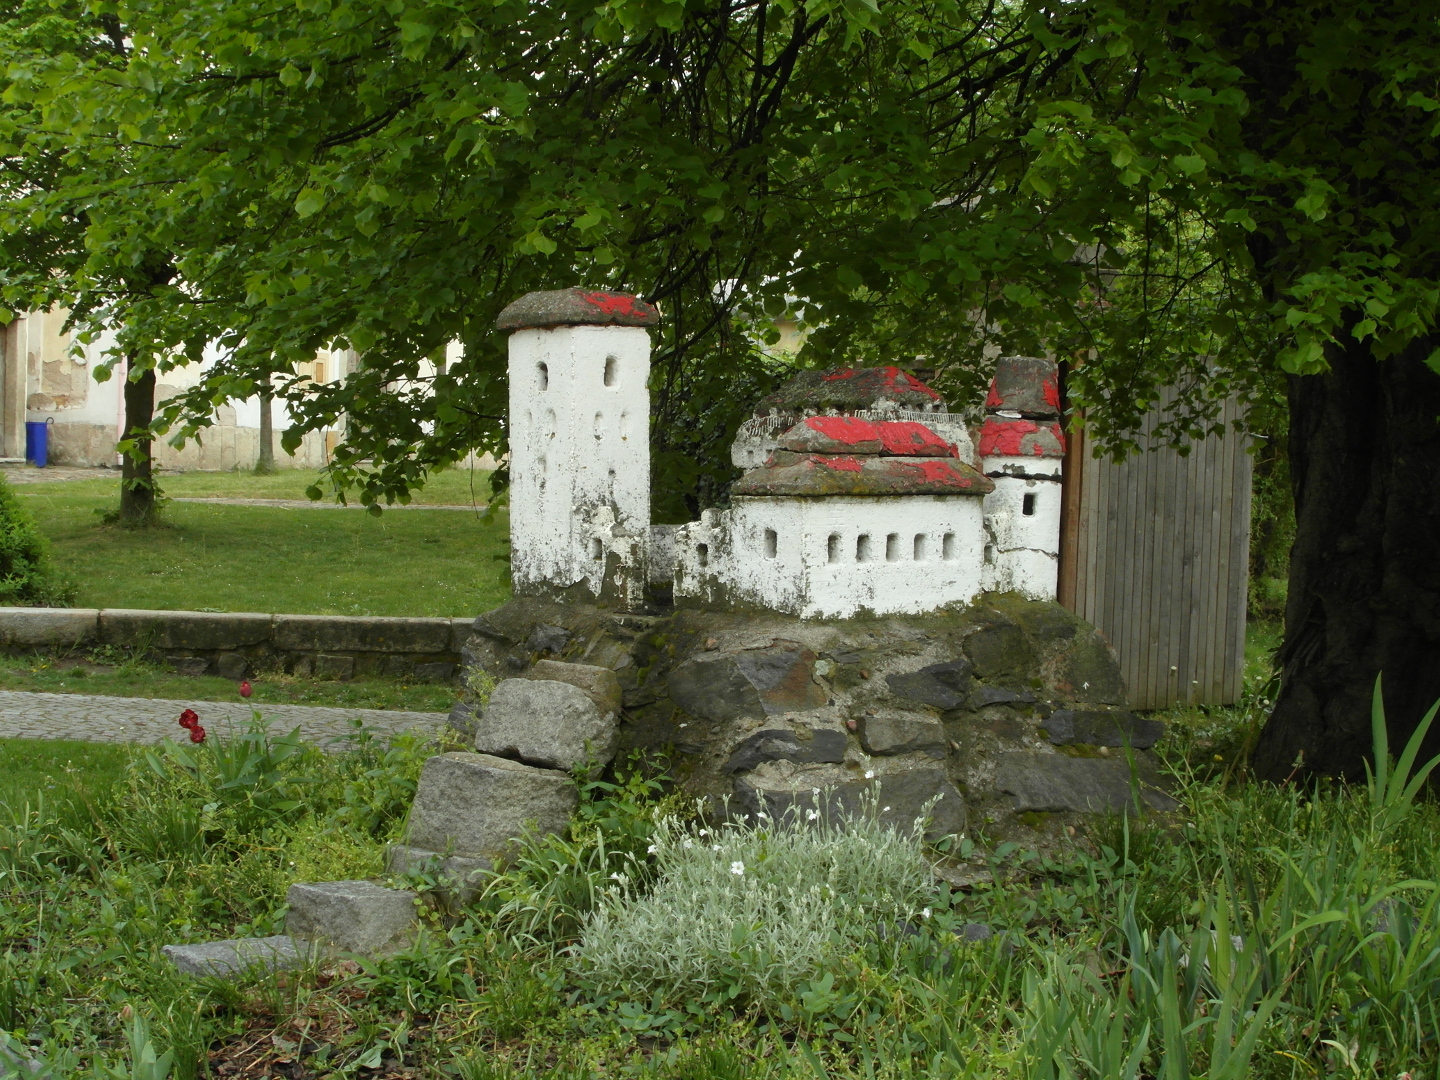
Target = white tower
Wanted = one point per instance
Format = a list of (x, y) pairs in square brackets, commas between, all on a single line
[(1021, 450), (579, 444)]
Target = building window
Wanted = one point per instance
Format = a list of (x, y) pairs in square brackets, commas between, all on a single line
[(597, 549), (544, 371), (862, 548), (921, 547), (892, 547), (771, 543), (702, 554), (832, 548), (947, 547), (989, 554), (610, 371), (1027, 504)]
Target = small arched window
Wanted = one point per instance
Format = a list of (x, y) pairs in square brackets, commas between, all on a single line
[(544, 372), (610, 366)]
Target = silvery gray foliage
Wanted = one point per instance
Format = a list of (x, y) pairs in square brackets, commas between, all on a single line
[(753, 909)]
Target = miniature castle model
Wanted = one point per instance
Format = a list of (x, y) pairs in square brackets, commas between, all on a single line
[(862, 493)]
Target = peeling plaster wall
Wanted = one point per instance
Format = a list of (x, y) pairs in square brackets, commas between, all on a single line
[(835, 557), (580, 459), (1024, 548)]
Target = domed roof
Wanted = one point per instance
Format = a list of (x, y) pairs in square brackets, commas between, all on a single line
[(851, 389), (846, 455)]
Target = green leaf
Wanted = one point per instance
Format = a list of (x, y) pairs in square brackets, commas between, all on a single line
[(309, 202)]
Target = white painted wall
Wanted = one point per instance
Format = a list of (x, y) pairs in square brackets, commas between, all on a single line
[(580, 459), (1022, 520), (835, 557)]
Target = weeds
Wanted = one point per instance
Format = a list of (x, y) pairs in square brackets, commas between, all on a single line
[(1274, 933)]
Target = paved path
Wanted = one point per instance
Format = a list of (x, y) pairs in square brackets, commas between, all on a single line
[(121, 719)]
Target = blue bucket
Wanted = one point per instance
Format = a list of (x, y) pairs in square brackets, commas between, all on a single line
[(37, 442)]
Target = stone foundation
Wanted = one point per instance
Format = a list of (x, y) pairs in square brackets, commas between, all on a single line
[(235, 644), (1006, 717)]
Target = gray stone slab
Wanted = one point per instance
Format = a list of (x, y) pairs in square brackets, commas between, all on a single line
[(354, 916), (475, 804), (237, 956), (344, 633), (37, 627), (199, 630), (904, 734), (1057, 782), (599, 683), (553, 725)]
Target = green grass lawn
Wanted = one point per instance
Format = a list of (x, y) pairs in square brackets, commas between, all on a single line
[(33, 768), (132, 678), (246, 558), (453, 487)]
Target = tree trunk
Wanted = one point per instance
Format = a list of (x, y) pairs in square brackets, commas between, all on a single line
[(265, 463), (1364, 591), (137, 479)]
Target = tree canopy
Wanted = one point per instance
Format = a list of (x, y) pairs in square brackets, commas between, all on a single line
[(1204, 193)]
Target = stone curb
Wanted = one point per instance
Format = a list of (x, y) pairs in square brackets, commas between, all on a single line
[(234, 643)]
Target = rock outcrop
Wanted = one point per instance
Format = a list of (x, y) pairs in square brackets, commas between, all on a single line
[(1007, 715)]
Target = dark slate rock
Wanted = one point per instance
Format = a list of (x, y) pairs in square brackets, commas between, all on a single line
[(1055, 782), (998, 695), (232, 665), (943, 686), (903, 735), (902, 796), (784, 678), (714, 690), (462, 719), (1089, 672), (577, 307), (1067, 727), (824, 746), (999, 651), (439, 671), (975, 931), (546, 638)]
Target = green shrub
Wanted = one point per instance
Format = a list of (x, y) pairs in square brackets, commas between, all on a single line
[(26, 575), (753, 911)]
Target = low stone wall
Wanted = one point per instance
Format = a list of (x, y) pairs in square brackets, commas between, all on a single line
[(235, 644)]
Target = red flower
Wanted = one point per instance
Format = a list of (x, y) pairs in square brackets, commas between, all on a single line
[(245, 688), (189, 719), (197, 734)]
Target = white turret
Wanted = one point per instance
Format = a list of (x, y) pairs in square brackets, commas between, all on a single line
[(579, 433), (1021, 450)]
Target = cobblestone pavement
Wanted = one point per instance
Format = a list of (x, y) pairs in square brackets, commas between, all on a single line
[(147, 720)]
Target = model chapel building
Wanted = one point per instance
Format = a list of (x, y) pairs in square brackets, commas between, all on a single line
[(863, 493)]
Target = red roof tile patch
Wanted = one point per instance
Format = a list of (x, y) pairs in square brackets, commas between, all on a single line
[(1020, 438)]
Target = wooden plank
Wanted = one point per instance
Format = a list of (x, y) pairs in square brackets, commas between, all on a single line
[(1155, 553)]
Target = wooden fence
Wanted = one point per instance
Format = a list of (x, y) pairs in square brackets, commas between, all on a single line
[(1155, 553)]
